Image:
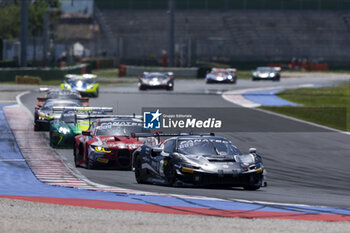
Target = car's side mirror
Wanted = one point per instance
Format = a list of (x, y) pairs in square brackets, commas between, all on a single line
[(156, 151), (252, 150), (86, 133)]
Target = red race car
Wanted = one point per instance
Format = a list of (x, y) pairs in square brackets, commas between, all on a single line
[(108, 142)]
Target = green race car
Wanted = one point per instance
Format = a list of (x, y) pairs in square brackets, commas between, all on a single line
[(86, 84), (64, 128)]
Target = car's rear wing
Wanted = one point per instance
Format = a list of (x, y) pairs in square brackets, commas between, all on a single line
[(44, 89), (91, 117), (159, 134), (231, 70), (86, 117), (81, 76), (62, 108), (167, 73)]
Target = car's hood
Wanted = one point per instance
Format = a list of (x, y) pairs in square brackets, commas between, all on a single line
[(264, 72), (213, 163), (217, 76), (118, 142), (200, 159), (154, 80), (78, 85)]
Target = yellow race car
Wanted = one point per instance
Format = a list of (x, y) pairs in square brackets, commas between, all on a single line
[(86, 84)]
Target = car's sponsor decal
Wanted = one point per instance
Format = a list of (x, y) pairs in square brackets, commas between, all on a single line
[(118, 124), (192, 142)]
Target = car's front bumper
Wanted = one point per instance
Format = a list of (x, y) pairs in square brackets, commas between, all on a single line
[(229, 179), (60, 140), (159, 86), (209, 80), (118, 158), (265, 78)]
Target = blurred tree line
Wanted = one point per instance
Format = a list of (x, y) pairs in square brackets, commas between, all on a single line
[(10, 17)]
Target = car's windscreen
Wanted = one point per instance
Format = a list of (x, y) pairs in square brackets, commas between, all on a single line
[(50, 105), (265, 69), (220, 72), (155, 76), (87, 81), (206, 147), (119, 128)]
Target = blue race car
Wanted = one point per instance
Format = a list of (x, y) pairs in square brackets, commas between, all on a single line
[(221, 75)]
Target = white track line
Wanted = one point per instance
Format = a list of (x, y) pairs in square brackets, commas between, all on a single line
[(19, 101), (246, 103)]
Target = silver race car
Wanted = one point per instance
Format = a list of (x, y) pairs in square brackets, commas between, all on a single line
[(266, 73)]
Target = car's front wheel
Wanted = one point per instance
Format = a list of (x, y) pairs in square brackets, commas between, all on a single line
[(139, 173), (89, 163), (255, 183), (36, 127), (76, 162), (97, 92), (170, 172)]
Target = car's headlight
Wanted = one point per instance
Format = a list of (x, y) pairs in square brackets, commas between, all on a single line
[(63, 130), (66, 86), (246, 159), (255, 73), (90, 86), (272, 75), (229, 77), (101, 149)]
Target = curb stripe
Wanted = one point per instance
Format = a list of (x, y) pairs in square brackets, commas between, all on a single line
[(180, 210)]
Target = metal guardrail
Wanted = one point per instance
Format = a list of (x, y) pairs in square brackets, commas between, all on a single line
[(227, 4)]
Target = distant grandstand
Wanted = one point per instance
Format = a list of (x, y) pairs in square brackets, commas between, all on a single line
[(138, 29)]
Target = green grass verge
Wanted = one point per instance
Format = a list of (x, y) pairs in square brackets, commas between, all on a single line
[(106, 73), (329, 106), (244, 74)]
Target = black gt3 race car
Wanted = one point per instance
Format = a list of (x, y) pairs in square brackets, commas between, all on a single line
[(197, 160), (44, 114), (156, 81)]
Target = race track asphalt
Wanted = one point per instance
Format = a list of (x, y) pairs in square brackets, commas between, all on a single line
[(306, 164)]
